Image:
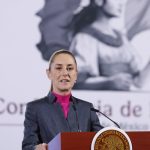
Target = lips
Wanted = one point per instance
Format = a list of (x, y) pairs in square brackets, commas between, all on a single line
[(64, 80)]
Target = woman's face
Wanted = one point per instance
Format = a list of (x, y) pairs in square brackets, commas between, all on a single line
[(114, 8), (63, 73)]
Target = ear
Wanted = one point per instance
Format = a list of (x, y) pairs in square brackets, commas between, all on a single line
[(99, 2), (48, 73), (76, 76)]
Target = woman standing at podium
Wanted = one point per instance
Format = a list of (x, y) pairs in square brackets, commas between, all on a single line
[(59, 111)]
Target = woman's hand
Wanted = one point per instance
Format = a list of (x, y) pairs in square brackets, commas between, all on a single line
[(122, 81), (42, 146)]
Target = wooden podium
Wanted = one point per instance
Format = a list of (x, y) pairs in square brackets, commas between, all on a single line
[(83, 140)]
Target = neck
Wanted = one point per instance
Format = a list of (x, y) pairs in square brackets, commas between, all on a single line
[(103, 24), (63, 93), (104, 18)]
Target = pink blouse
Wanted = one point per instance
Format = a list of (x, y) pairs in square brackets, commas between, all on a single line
[(64, 101)]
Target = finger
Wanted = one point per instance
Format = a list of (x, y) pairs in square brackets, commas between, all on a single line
[(42, 146), (45, 145)]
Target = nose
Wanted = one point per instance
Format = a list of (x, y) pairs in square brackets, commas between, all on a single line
[(65, 72)]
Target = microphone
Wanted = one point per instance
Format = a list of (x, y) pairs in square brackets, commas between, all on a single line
[(96, 110), (77, 120)]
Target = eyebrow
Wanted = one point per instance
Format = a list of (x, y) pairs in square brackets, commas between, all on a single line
[(67, 64)]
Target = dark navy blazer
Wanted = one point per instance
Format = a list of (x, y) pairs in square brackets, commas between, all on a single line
[(44, 119)]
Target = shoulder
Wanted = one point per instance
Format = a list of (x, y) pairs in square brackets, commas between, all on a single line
[(83, 41), (37, 103), (82, 102), (84, 36)]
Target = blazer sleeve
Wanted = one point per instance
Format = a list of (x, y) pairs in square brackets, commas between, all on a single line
[(95, 122), (31, 130)]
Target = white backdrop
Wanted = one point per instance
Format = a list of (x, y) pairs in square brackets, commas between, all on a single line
[(23, 77)]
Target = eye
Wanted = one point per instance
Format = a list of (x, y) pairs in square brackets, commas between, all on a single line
[(70, 68), (58, 68)]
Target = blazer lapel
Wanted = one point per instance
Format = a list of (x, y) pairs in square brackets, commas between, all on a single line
[(60, 122), (57, 115), (59, 118), (73, 117)]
